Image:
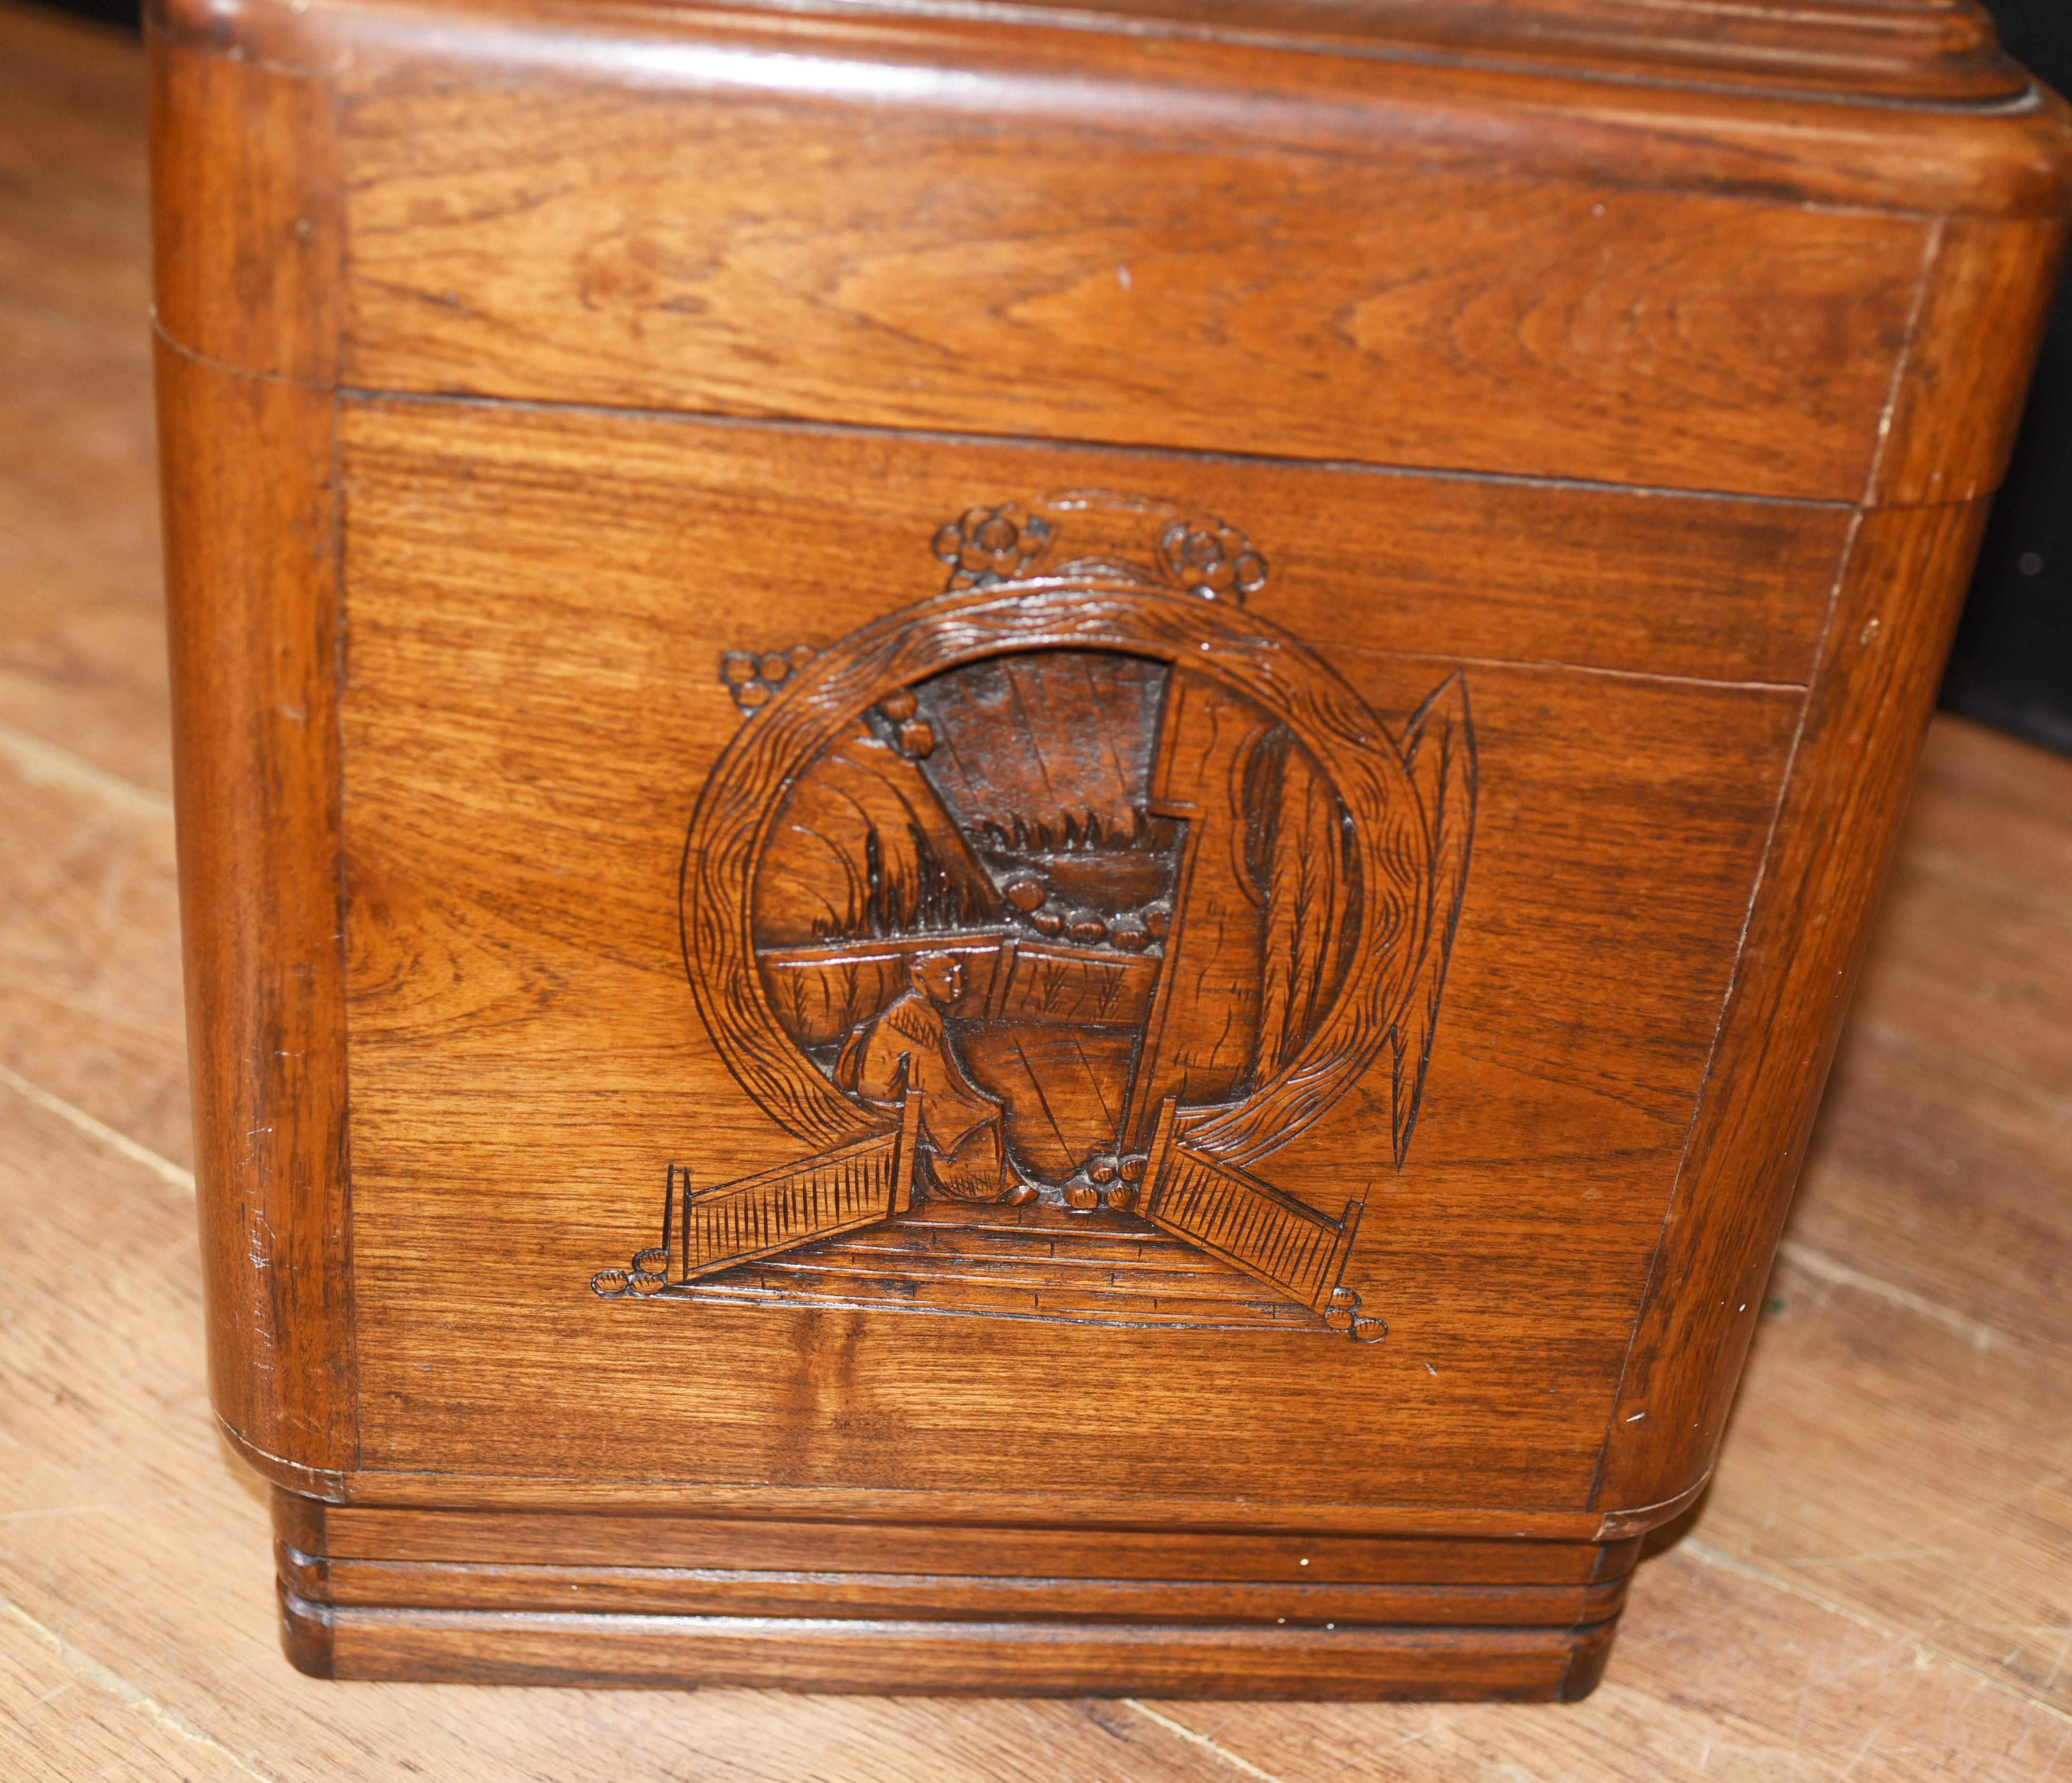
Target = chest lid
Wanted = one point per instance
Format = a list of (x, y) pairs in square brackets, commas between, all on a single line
[(1925, 51)]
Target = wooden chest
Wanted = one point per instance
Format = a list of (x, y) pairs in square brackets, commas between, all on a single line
[(1019, 841)]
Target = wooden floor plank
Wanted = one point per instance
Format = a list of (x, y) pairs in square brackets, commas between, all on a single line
[(1719, 1675), (91, 1004), (82, 649), (1915, 1472), (63, 1716), (1973, 943), (1947, 1182)]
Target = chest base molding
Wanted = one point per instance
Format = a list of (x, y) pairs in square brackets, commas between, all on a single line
[(667, 1601)]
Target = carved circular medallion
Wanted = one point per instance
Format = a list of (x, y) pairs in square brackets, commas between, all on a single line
[(1061, 848)]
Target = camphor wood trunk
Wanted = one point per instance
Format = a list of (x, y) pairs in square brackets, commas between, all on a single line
[(1019, 842)]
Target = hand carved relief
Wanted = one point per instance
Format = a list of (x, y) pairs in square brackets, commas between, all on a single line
[(1040, 912)]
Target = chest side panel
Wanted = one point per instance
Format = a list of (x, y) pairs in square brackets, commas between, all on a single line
[(1456, 836)]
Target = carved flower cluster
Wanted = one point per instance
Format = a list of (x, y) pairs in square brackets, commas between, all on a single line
[(912, 735), (1210, 559), (991, 544), (754, 679)]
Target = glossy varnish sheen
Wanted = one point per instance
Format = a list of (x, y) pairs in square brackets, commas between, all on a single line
[(1282, 1218)]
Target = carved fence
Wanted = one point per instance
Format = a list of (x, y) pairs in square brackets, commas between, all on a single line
[(1247, 1223), (858, 1185)]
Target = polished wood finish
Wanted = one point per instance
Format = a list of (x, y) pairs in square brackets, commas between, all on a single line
[(1886, 644), (245, 271), (1028, 785), (1848, 1603)]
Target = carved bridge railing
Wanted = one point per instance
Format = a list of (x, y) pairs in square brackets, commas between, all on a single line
[(1235, 1217), (1246, 1223), (859, 1185)]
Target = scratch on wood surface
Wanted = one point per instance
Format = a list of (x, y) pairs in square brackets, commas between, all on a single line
[(1202, 1740), (42, 763), (1828, 1269), (163, 1168), (89, 1669)]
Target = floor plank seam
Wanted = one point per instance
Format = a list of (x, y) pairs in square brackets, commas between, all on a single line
[(88, 1670), (1706, 1554), (43, 763), (1833, 1270), (163, 1168), (1200, 1739)]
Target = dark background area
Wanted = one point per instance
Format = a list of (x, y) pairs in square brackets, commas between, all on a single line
[(2012, 664)]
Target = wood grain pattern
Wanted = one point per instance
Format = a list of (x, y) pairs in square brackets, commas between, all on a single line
[(1077, 284), (81, 656), (1698, 588), (1954, 415), (251, 531), (457, 805), (1894, 613), (1944, 50), (137, 1630), (937, 1657), (1633, 128), (657, 1591), (594, 1539), (1470, 1005)]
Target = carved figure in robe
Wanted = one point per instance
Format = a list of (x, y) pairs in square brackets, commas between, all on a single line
[(907, 1044)]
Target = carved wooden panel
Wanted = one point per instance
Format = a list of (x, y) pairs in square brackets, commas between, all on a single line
[(1075, 886), (722, 861)]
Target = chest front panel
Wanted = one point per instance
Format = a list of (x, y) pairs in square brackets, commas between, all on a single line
[(1403, 873)]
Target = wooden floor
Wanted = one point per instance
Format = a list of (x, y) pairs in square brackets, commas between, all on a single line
[(1879, 1586)]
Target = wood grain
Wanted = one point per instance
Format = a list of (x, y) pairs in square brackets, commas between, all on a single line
[(872, 1596), (1111, 69), (124, 1527), (1953, 421), (1894, 613), (1595, 900), (93, 1010), (1452, 567), (251, 526), (1580, 1002), (591, 241), (82, 656), (1077, 285), (1944, 50), (594, 1539), (935, 1657)]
